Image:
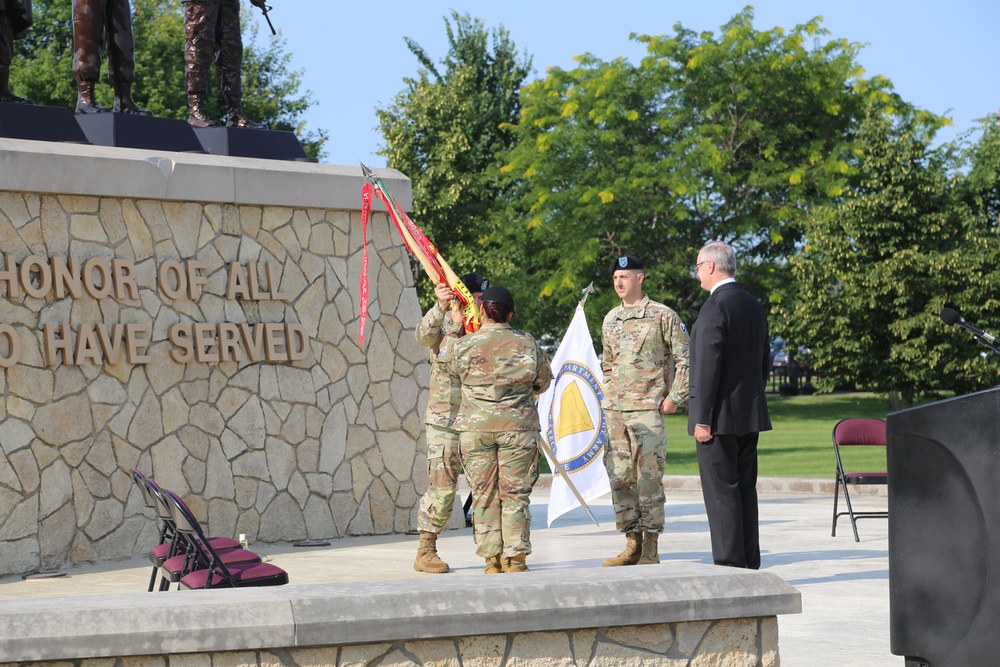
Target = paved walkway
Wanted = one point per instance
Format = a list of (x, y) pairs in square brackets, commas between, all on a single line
[(844, 584)]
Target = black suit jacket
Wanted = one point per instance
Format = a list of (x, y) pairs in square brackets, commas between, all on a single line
[(730, 363)]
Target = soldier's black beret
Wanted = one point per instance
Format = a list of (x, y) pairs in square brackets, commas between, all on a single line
[(475, 282), (628, 262)]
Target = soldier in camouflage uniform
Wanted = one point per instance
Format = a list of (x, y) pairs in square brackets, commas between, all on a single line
[(438, 330), (502, 371), (642, 339), (15, 19), (112, 21)]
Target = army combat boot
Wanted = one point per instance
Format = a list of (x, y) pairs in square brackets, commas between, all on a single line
[(649, 549), (633, 550), (493, 565), (515, 564), (427, 556)]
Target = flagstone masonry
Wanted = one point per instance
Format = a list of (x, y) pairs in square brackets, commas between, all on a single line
[(327, 445)]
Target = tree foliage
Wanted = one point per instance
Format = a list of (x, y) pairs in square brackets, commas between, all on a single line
[(444, 131), (878, 266), (42, 69), (730, 136)]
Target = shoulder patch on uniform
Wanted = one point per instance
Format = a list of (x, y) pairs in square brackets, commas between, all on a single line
[(684, 329)]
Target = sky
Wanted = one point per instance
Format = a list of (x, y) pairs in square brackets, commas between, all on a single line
[(941, 55)]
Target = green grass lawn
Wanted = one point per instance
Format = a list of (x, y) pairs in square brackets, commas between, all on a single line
[(800, 444)]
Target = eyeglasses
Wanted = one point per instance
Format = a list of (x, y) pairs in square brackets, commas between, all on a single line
[(698, 265)]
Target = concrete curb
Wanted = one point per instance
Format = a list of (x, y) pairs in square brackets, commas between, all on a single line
[(100, 626)]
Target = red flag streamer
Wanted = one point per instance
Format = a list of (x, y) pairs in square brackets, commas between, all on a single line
[(366, 207), (426, 253)]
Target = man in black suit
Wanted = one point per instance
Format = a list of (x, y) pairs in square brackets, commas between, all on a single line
[(729, 367)]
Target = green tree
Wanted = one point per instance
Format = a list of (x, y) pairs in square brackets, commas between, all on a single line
[(731, 136), (445, 131), (878, 266), (42, 69)]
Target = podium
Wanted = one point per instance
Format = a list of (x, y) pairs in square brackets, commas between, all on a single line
[(944, 531)]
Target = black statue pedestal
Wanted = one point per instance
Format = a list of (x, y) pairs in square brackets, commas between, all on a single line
[(37, 122), (241, 142), (126, 130)]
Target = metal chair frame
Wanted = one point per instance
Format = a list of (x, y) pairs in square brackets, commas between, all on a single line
[(844, 478)]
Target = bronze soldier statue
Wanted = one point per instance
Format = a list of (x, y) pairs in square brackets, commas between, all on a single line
[(15, 19), (111, 19), (213, 33)]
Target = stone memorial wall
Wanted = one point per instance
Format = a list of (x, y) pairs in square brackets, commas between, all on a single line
[(196, 317)]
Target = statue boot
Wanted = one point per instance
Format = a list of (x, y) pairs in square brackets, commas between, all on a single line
[(649, 549), (237, 118), (85, 101), (5, 94), (631, 554), (197, 117), (493, 565), (124, 103), (515, 564), (232, 92), (427, 555)]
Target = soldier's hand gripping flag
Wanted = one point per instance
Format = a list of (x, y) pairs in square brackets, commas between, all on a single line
[(419, 246)]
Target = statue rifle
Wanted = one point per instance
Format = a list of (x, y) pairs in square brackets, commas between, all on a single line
[(264, 9)]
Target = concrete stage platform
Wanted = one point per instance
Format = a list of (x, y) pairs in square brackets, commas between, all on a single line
[(844, 585)]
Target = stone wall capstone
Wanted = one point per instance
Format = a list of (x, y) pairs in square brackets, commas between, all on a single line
[(254, 402)]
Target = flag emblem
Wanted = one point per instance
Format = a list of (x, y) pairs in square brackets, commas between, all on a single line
[(573, 438)]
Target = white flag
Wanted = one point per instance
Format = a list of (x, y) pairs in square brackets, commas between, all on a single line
[(572, 420)]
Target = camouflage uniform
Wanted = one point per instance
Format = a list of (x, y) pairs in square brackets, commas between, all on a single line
[(438, 332), (639, 345), (502, 370)]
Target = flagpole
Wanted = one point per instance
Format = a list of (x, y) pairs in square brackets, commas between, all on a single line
[(562, 473)]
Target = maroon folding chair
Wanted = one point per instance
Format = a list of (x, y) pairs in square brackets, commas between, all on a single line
[(177, 544), (857, 432), (217, 573)]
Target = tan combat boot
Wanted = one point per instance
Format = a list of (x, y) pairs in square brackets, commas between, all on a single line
[(649, 547), (493, 565), (633, 550), (515, 564), (427, 556)]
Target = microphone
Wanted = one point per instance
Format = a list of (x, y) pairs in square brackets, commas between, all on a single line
[(950, 316)]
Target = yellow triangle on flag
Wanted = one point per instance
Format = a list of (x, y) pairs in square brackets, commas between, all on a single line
[(573, 414)]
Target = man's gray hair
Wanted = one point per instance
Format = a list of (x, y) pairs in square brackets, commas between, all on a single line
[(722, 255)]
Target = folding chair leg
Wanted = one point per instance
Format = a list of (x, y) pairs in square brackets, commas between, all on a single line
[(152, 579), (836, 492), (850, 512)]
